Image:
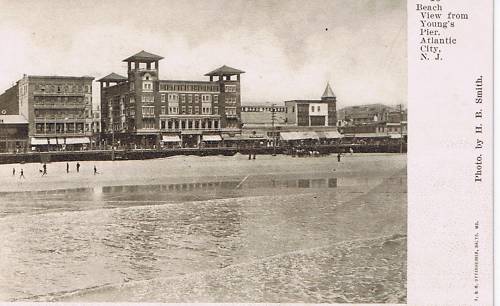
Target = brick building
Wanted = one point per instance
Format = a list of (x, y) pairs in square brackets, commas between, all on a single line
[(142, 110), (58, 110)]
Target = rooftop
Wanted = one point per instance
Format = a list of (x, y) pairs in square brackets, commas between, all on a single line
[(225, 70), (143, 56), (113, 77), (13, 119), (60, 77)]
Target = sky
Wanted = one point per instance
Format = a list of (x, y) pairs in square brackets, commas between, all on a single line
[(288, 49)]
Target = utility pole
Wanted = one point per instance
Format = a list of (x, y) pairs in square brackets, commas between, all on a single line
[(401, 128), (273, 118), (112, 140)]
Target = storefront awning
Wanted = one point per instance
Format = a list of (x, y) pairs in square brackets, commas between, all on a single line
[(396, 136), (371, 135), (298, 135), (170, 138), (329, 134), (54, 141), (76, 140), (211, 138), (39, 141)]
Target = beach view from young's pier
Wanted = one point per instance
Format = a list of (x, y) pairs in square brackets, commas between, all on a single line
[(204, 152)]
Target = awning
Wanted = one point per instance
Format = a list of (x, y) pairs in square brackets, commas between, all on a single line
[(329, 134), (76, 140), (170, 138), (397, 136), (211, 138), (39, 141), (371, 135), (298, 135), (53, 141)]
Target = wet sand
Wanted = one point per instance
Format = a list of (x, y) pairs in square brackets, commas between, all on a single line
[(208, 229)]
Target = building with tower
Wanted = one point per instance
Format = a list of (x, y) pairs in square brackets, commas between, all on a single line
[(141, 110), (313, 112)]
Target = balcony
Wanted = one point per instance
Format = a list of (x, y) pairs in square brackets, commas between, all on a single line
[(61, 120), (60, 94), (61, 134), (59, 105)]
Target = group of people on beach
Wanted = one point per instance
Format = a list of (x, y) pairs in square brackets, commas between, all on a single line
[(43, 171)]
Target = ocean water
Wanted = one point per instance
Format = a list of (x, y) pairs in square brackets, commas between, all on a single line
[(302, 237)]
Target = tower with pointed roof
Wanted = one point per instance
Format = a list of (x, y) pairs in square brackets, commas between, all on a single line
[(329, 97)]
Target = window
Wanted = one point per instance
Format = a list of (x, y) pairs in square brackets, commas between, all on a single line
[(183, 109), (147, 99), (132, 99), (312, 109), (216, 99), (132, 86), (206, 98), (173, 98), (147, 86), (163, 110), (163, 86), (190, 98), (231, 101), (163, 98), (196, 98), (148, 111), (319, 109), (183, 98), (216, 110), (230, 88)]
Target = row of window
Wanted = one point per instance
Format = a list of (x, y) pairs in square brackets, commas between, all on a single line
[(149, 110), (189, 124), (279, 109), (189, 87), (182, 97), (52, 100), (69, 88)]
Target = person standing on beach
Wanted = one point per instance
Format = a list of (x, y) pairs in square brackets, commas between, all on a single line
[(22, 174), (77, 167), (44, 169), (95, 170), (67, 167), (13, 171), (338, 157)]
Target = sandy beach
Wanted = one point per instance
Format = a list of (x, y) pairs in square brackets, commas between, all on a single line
[(188, 168), (207, 229)]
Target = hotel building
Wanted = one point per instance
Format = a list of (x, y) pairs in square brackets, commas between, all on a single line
[(57, 110), (144, 111)]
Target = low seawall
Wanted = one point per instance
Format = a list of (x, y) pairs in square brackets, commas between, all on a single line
[(57, 156)]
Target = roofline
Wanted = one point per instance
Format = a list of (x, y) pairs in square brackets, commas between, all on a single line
[(59, 77), (189, 81)]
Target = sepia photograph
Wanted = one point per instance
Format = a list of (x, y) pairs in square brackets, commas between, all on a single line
[(203, 151)]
